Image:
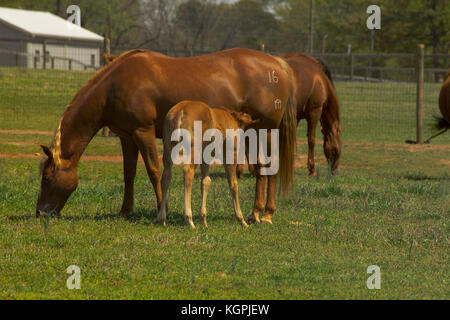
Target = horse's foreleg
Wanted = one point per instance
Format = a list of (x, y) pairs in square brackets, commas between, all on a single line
[(188, 178), (230, 170), (130, 156), (313, 119), (206, 183), (146, 141)]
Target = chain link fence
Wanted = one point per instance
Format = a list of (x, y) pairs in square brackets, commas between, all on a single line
[(377, 93)]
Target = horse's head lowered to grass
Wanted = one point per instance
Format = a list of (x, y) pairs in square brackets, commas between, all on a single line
[(58, 181)]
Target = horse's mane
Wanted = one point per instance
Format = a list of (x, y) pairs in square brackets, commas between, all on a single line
[(81, 94), (325, 68), (103, 71)]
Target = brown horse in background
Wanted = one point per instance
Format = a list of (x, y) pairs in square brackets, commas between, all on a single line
[(132, 96), (443, 123), (316, 100)]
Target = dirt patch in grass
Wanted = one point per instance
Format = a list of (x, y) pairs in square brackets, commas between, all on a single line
[(27, 132)]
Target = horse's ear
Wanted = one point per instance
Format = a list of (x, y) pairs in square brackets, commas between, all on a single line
[(47, 151)]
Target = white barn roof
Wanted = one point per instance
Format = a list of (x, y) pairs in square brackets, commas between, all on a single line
[(45, 24)]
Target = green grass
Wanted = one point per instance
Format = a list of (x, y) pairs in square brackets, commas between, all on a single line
[(389, 206)]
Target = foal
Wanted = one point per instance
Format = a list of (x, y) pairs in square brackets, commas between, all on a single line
[(182, 116)]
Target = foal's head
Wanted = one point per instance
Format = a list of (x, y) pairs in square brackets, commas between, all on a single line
[(243, 119), (58, 181)]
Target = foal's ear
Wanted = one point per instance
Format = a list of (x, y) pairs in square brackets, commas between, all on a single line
[(47, 151)]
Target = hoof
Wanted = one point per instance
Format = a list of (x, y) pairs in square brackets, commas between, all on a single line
[(244, 224), (162, 223), (312, 174), (252, 219), (123, 214), (265, 220), (191, 225)]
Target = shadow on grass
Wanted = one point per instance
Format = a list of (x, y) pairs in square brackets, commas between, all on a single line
[(140, 216), (423, 177)]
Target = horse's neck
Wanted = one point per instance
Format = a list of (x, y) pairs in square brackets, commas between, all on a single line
[(78, 126)]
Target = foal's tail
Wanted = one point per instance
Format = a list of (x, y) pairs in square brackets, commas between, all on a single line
[(172, 122), (288, 135)]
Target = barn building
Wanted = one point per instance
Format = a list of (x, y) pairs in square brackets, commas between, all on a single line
[(41, 40)]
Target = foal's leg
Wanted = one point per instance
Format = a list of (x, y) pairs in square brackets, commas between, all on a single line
[(206, 183), (313, 120), (130, 156), (146, 141), (234, 190), (188, 178)]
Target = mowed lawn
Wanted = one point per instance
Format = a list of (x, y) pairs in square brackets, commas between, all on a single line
[(389, 206)]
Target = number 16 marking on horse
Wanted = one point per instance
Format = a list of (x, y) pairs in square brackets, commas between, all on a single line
[(272, 77)]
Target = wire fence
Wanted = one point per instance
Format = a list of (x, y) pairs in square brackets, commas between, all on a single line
[(377, 93)]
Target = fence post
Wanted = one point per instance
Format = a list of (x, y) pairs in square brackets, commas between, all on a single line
[(262, 47), (419, 102), (105, 131), (44, 51), (352, 66)]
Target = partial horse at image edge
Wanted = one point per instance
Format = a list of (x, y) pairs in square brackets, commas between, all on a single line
[(442, 124)]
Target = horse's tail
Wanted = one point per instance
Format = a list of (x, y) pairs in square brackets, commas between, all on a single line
[(288, 135), (326, 69), (441, 123)]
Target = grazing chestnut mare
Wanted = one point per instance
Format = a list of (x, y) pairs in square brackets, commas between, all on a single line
[(132, 96), (443, 123), (316, 100), (182, 116)]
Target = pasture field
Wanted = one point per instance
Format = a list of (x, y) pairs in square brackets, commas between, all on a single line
[(389, 206)]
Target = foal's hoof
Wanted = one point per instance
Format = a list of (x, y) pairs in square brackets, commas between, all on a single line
[(162, 223), (244, 224)]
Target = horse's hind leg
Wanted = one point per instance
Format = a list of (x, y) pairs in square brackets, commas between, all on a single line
[(130, 156), (313, 120), (146, 141), (188, 179), (206, 183), (258, 206), (270, 204), (230, 170)]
